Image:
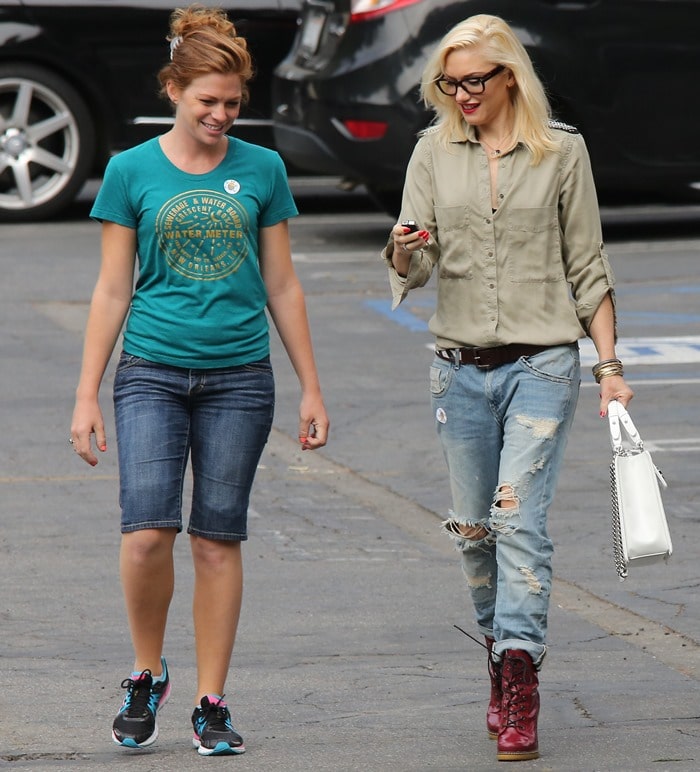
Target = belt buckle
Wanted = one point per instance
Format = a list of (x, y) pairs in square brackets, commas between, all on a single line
[(477, 360)]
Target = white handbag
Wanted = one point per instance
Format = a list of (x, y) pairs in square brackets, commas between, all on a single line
[(639, 528)]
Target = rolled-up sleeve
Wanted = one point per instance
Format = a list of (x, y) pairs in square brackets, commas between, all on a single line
[(586, 263), (417, 204)]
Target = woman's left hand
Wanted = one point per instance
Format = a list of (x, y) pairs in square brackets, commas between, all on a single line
[(313, 423), (614, 387)]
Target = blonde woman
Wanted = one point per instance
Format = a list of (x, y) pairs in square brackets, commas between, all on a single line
[(506, 214), (205, 215)]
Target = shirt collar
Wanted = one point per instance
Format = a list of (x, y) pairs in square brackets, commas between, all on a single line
[(468, 134)]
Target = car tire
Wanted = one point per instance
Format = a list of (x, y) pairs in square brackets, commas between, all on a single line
[(47, 143)]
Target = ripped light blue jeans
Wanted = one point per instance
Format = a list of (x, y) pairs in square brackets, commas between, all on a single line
[(503, 432)]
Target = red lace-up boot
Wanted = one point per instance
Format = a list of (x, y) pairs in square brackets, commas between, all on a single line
[(493, 712), (517, 738)]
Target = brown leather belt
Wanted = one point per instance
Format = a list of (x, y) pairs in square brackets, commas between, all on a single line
[(486, 358)]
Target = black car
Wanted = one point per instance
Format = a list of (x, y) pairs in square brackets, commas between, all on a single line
[(78, 82), (625, 72)]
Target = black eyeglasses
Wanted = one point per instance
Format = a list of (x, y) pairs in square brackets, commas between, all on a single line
[(470, 85)]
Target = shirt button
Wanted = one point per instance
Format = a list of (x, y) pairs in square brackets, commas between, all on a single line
[(488, 222)]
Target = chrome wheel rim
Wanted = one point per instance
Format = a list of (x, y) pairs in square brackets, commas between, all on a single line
[(39, 144)]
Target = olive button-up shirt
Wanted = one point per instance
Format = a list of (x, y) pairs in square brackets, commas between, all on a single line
[(534, 271)]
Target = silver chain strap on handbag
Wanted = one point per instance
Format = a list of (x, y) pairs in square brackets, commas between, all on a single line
[(620, 565), (636, 446)]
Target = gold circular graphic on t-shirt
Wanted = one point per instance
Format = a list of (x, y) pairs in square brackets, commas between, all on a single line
[(203, 234)]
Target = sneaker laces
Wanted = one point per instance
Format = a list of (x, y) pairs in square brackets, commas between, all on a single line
[(217, 716), (138, 694)]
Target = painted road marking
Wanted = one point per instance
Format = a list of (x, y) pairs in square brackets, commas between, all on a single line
[(677, 445), (656, 350), (672, 350)]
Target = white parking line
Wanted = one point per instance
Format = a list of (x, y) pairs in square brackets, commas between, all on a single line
[(676, 445), (677, 350)]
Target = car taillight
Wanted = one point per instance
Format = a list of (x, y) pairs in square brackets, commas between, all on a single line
[(366, 129), (362, 10)]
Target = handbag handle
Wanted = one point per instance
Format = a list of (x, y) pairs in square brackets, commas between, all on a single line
[(620, 420)]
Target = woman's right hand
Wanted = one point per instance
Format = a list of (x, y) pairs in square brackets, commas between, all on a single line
[(87, 420), (408, 241)]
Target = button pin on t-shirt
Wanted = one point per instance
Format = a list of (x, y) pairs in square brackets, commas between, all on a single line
[(232, 187)]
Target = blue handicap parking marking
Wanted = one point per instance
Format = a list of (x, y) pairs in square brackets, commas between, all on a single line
[(400, 315)]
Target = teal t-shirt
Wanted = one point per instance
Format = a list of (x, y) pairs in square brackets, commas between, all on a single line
[(199, 300)]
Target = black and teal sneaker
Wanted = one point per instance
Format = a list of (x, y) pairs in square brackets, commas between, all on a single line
[(135, 725), (214, 734)]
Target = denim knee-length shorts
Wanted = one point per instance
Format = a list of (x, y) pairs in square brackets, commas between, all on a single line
[(218, 419)]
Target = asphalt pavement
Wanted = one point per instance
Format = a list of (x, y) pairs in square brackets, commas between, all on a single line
[(347, 656)]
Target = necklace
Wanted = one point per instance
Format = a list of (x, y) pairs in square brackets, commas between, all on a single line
[(495, 152)]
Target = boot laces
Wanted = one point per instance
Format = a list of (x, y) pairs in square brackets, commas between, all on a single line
[(495, 668), (515, 696), (496, 674)]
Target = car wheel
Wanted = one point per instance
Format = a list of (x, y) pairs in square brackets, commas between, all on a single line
[(47, 143)]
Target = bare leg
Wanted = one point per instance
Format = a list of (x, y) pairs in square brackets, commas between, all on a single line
[(218, 591), (147, 574), (478, 532)]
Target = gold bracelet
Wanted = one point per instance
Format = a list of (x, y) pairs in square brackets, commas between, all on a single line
[(599, 365), (608, 375), (607, 370), (608, 366)]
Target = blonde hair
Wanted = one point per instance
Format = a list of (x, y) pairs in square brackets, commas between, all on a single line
[(495, 38), (202, 41)]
